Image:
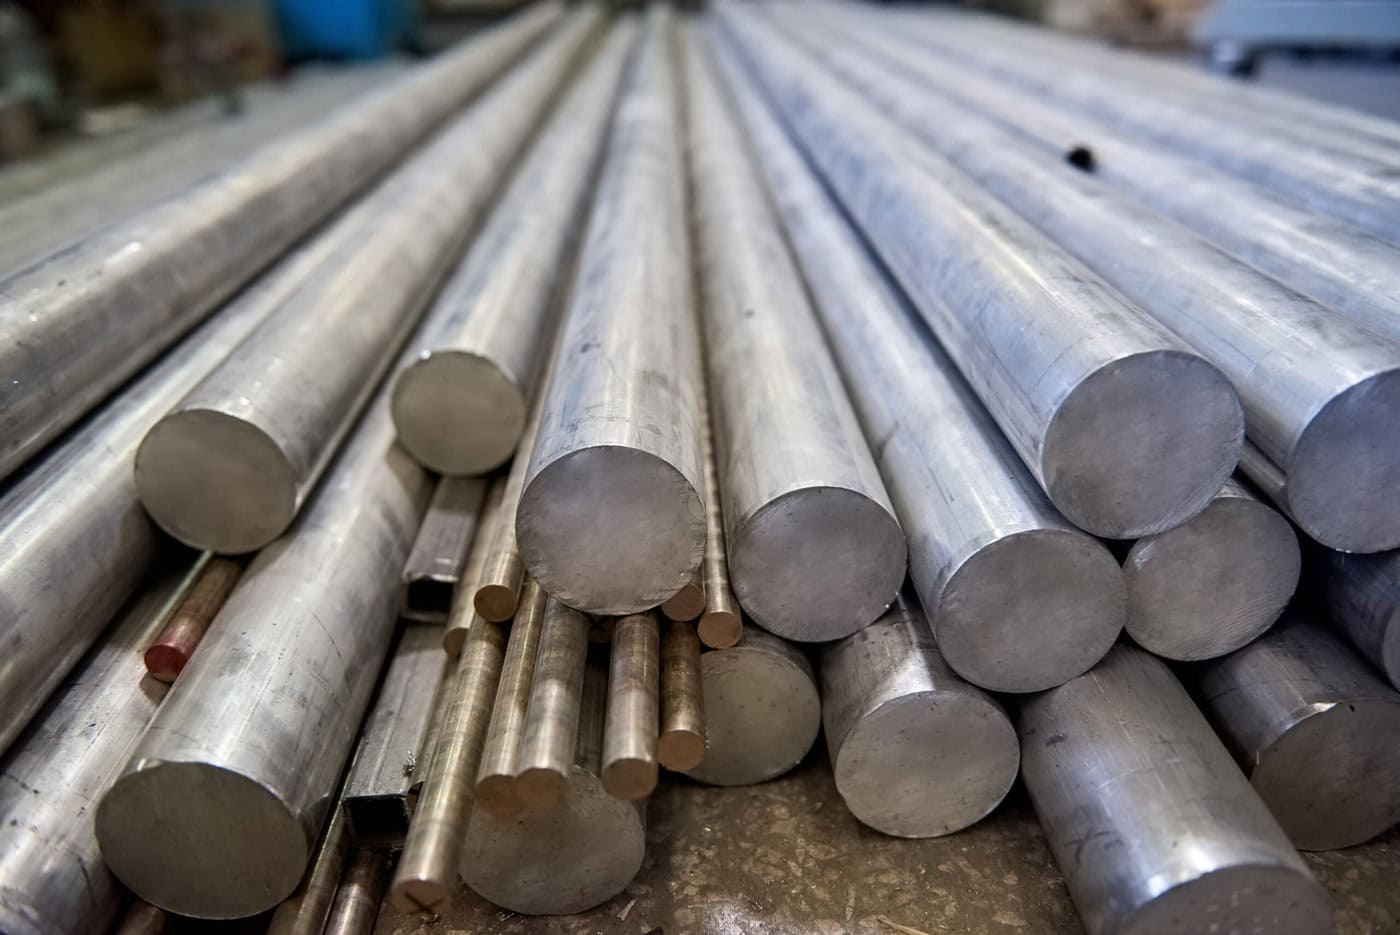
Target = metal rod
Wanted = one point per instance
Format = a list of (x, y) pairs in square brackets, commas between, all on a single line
[(1019, 598), (361, 891), (159, 272), (172, 648), (306, 910), (462, 405), (1128, 431), (463, 613), (681, 744), (617, 460), (1214, 583), (442, 700), (689, 602), (1362, 596), (234, 461), (495, 781), (634, 684), (1150, 821), (916, 751), (142, 919), (434, 568), (551, 721), (1314, 729), (721, 625)]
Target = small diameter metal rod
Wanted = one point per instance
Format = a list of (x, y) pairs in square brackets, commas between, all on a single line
[(551, 721), (306, 910), (426, 875), (361, 891), (434, 568), (721, 625), (1151, 822), (142, 919), (689, 602), (681, 744), (1314, 729), (167, 657), (463, 612), (634, 683), (1361, 594), (495, 781)]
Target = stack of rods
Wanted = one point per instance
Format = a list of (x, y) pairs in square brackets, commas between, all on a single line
[(639, 390)]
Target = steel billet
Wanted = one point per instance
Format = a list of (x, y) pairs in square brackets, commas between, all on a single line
[(1019, 598), (551, 720), (463, 613), (434, 568), (361, 891), (681, 743), (495, 781), (629, 767), (1362, 596), (172, 648), (612, 515)]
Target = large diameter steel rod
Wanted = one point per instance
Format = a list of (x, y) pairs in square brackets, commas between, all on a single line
[(916, 751), (551, 721), (463, 614), (1315, 730), (680, 744), (1019, 598), (815, 552), (172, 648), (1128, 430), (434, 568), (617, 459), (217, 811), (231, 465), (79, 324), (1150, 820), (1361, 594), (461, 406), (629, 767), (52, 878), (1317, 388), (495, 781), (1215, 582)]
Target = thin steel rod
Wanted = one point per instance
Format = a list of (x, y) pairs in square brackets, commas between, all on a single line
[(721, 625), (306, 910), (629, 768), (172, 648), (681, 743), (461, 617), (434, 568), (495, 781), (551, 721), (361, 891)]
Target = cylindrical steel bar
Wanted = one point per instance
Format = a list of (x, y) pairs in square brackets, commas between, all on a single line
[(762, 710), (1314, 729), (1214, 583), (689, 602), (681, 744), (815, 552), (426, 875), (721, 624), (306, 910), (391, 741), (1127, 429), (461, 406), (1317, 388), (159, 272), (234, 461), (463, 612), (1362, 597), (573, 857), (52, 878), (634, 686), (434, 568), (617, 459), (142, 919), (361, 891), (442, 700), (495, 781), (202, 821), (1020, 599), (1150, 821), (168, 655), (551, 720), (916, 751)]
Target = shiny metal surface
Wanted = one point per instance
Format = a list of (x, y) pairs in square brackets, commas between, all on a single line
[(234, 461), (306, 910), (1313, 727), (1154, 827), (172, 648), (721, 623), (461, 406), (1128, 431), (495, 780), (571, 857), (1215, 582), (463, 612), (216, 812), (629, 767), (762, 710), (916, 751), (361, 891), (680, 744), (1361, 594), (552, 716), (434, 567), (815, 552), (1019, 599), (52, 878), (79, 324), (617, 459)]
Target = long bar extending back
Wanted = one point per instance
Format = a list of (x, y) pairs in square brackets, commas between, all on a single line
[(721, 623), (463, 615), (551, 721), (306, 910), (79, 324), (680, 744), (612, 515), (630, 734), (495, 781), (1362, 596), (360, 892), (172, 648), (433, 572)]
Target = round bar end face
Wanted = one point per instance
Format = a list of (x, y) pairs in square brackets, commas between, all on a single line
[(680, 750), (165, 661), (458, 413), (817, 563), (418, 895), (630, 779), (1142, 444), (1241, 898), (165, 831), (611, 529), (926, 764), (1031, 611), (721, 629), (215, 482), (539, 788)]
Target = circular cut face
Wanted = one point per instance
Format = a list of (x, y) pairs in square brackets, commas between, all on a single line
[(1142, 444), (458, 413), (201, 841), (927, 764), (1245, 899)]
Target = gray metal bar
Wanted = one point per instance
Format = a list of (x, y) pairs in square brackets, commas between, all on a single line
[(306, 910), (1361, 594), (629, 766), (434, 568), (463, 615)]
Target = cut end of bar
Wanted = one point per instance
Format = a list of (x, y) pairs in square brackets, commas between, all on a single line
[(680, 750), (686, 604), (539, 788), (458, 413), (496, 603), (1240, 898), (720, 629), (418, 895), (630, 779), (497, 794), (165, 662)]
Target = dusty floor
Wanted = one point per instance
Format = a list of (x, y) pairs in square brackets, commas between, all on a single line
[(786, 858)]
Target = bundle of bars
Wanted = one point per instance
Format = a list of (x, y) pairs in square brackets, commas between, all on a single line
[(462, 419)]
